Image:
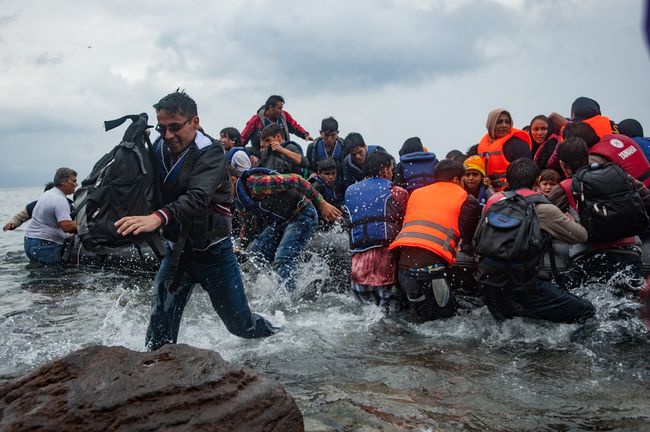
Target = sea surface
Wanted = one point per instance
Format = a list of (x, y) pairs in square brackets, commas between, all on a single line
[(349, 367)]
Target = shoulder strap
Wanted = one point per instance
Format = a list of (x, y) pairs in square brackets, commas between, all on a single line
[(537, 199)]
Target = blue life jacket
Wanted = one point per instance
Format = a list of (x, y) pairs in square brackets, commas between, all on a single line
[(356, 172), (375, 218), (321, 153), (417, 169), (328, 193), (277, 207), (232, 151), (644, 143)]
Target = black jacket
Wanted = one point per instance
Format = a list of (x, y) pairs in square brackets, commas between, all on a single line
[(199, 195)]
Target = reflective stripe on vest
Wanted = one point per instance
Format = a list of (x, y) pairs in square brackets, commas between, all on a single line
[(447, 232), (431, 220), (495, 161)]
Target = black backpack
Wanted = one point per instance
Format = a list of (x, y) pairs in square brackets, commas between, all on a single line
[(124, 182), (608, 204), (509, 233)]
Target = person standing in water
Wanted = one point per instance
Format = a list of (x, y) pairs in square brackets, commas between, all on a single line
[(196, 195)]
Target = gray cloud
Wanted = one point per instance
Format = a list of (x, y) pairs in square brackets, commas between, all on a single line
[(48, 58), (339, 45), (387, 69)]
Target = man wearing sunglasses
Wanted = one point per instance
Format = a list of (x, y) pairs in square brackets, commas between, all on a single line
[(195, 190)]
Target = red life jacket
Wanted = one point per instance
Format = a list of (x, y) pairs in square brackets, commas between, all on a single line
[(615, 244), (626, 153)]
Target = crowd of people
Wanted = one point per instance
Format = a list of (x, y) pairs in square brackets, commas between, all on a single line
[(580, 180)]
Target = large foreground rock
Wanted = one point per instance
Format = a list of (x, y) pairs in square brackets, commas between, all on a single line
[(177, 387)]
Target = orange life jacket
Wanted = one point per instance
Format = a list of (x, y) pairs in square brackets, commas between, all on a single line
[(431, 220), (601, 125), (495, 161)]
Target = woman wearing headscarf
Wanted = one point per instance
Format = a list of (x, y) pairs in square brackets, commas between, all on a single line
[(502, 145), (544, 140)]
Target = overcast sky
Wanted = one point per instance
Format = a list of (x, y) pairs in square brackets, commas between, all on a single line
[(389, 69)]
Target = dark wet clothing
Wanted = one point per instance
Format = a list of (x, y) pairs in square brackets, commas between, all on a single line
[(544, 301), (217, 271)]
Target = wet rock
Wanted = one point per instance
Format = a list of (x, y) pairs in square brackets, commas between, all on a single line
[(177, 387)]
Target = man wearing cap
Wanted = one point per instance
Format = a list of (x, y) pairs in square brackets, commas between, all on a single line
[(474, 181)]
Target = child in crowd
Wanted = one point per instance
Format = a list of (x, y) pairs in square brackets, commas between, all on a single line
[(546, 181), (474, 180), (325, 180)]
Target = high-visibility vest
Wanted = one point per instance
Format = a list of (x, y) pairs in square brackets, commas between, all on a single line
[(495, 161), (431, 220), (601, 125)]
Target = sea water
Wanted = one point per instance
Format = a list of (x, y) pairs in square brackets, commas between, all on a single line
[(349, 367)]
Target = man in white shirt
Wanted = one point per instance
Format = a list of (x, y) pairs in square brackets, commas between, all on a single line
[(51, 222)]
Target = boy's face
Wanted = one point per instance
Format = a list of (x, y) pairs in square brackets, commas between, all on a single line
[(265, 143), (546, 186), (226, 142), (473, 180), (358, 154), (329, 138), (329, 177)]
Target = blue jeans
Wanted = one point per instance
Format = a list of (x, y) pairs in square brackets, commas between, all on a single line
[(217, 271), (544, 301), (43, 251), (282, 242)]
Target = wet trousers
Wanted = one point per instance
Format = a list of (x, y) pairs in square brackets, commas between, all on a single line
[(543, 300), (420, 289), (217, 271), (281, 243), (42, 251)]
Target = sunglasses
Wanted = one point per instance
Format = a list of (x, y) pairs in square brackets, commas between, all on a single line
[(172, 127)]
